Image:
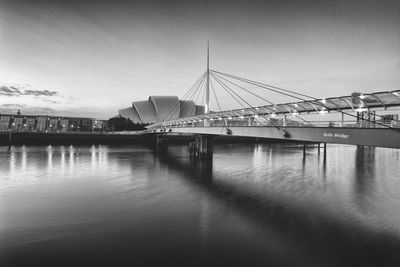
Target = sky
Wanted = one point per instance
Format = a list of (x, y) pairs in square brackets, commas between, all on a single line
[(92, 58)]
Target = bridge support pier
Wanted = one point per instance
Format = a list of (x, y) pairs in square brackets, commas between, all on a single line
[(161, 142), (202, 147)]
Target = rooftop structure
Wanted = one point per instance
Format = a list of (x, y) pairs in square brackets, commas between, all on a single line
[(160, 108)]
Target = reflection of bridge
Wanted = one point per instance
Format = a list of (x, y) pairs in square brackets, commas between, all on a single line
[(359, 119)]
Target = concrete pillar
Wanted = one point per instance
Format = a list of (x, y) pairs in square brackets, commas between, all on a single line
[(161, 143), (202, 147)]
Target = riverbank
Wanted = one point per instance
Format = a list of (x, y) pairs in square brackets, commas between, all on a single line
[(120, 138), (70, 138)]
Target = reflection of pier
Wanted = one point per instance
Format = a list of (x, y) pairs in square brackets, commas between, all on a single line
[(305, 227), (364, 173)]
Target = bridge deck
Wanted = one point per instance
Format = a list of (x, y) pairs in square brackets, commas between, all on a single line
[(379, 137)]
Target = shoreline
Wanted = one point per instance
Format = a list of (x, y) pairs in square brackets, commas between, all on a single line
[(80, 138)]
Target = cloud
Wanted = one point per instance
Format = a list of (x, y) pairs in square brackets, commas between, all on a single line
[(40, 93), (15, 91), (28, 110), (10, 91), (11, 106)]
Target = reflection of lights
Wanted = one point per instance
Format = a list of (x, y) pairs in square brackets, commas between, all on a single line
[(396, 94), (361, 109), (323, 101), (362, 96), (294, 113), (229, 118), (220, 119), (295, 104), (255, 116), (273, 115), (242, 117)]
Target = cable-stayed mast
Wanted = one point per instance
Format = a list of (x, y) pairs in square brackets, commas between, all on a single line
[(207, 105)]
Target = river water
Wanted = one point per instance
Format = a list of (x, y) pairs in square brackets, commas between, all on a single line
[(254, 205)]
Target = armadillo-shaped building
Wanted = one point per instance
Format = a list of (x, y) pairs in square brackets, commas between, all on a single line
[(160, 108)]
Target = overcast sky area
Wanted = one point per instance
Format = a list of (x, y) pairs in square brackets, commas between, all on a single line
[(91, 58)]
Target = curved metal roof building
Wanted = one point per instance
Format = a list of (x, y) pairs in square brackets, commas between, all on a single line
[(160, 108)]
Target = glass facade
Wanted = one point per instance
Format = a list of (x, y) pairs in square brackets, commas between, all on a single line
[(31, 123)]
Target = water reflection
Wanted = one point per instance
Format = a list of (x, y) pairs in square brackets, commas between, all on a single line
[(62, 160), (251, 202), (364, 177), (292, 222)]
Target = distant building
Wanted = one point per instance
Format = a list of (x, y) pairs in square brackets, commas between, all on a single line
[(160, 108), (43, 123)]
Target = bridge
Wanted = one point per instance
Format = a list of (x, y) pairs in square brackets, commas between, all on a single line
[(357, 119)]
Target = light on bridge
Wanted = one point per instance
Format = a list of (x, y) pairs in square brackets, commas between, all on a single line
[(323, 111), (361, 109)]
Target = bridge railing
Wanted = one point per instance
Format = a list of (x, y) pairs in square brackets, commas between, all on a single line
[(287, 123)]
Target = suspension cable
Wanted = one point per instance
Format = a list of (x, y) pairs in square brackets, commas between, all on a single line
[(188, 93), (278, 89), (266, 100), (226, 88), (269, 121)]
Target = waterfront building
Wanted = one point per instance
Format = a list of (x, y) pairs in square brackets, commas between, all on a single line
[(160, 108), (44, 123)]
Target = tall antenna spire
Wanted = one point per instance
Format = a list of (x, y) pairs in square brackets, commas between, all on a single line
[(207, 106)]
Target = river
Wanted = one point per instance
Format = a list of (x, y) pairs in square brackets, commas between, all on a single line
[(254, 205)]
